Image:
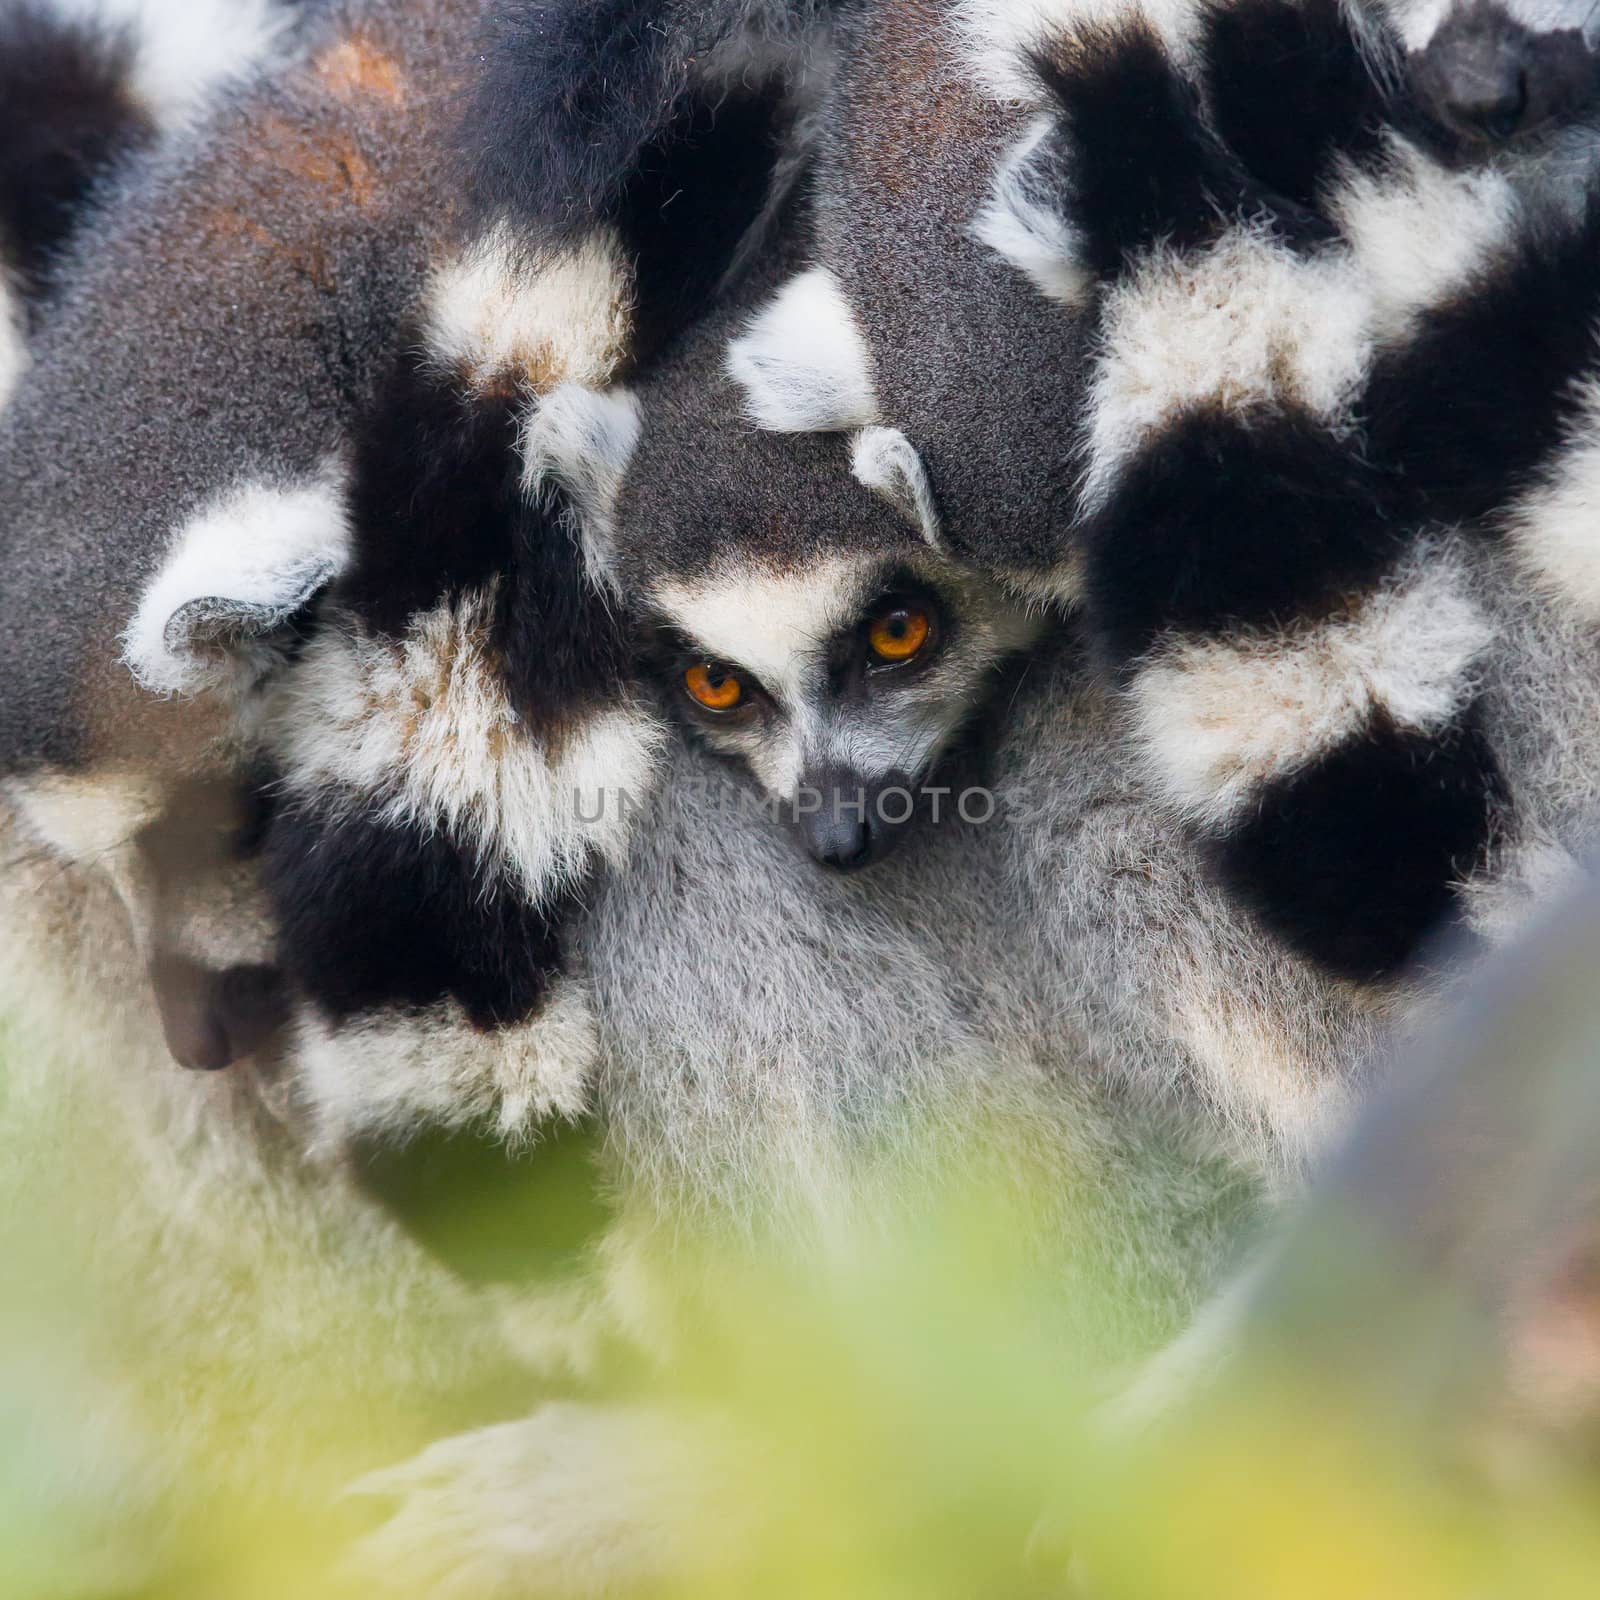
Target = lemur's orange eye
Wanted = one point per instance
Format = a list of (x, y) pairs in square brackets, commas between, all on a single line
[(899, 633), (713, 687)]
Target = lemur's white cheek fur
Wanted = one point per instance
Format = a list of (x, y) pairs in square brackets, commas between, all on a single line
[(770, 622)]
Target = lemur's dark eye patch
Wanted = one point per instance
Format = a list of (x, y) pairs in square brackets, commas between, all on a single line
[(900, 630), (713, 686)]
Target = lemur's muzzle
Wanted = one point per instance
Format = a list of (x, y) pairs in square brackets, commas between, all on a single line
[(849, 820), (1488, 78)]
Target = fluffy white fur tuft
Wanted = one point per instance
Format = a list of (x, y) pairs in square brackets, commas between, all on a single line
[(392, 1074), (1030, 232), (1419, 231), (888, 464), (802, 362), (583, 440), (496, 312), (424, 724), (994, 38), (1231, 326), (1552, 527), (235, 572), (1216, 719), (186, 50), (770, 620)]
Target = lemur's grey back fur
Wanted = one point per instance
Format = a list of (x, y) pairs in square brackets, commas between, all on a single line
[(227, 319), (86, 86), (977, 374)]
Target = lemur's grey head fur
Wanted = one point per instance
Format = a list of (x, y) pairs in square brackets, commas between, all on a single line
[(808, 623)]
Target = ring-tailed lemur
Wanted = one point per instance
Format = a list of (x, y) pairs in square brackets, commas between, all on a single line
[(168, 477), (895, 191), (1282, 804), (551, 418), (768, 563), (171, 493)]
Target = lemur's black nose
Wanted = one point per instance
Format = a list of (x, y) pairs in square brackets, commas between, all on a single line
[(848, 821), (839, 842), (1488, 78)]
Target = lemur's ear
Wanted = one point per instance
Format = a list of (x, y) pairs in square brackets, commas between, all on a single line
[(888, 464), (237, 574), (802, 362), (581, 441)]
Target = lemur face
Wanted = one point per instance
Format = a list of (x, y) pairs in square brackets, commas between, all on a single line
[(747, 502), (839, 683)]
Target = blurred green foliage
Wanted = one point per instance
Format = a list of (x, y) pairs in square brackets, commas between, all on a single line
[(914, 1423)]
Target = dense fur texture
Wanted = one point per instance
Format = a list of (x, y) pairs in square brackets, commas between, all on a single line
[(1369, 648), (573, 99), (1227, 496), (69, 113), (169, 492), (965, 360), (84, 88), (469, 697), (478, 963), (1145, 238), (1209, 196), (296, 218)]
